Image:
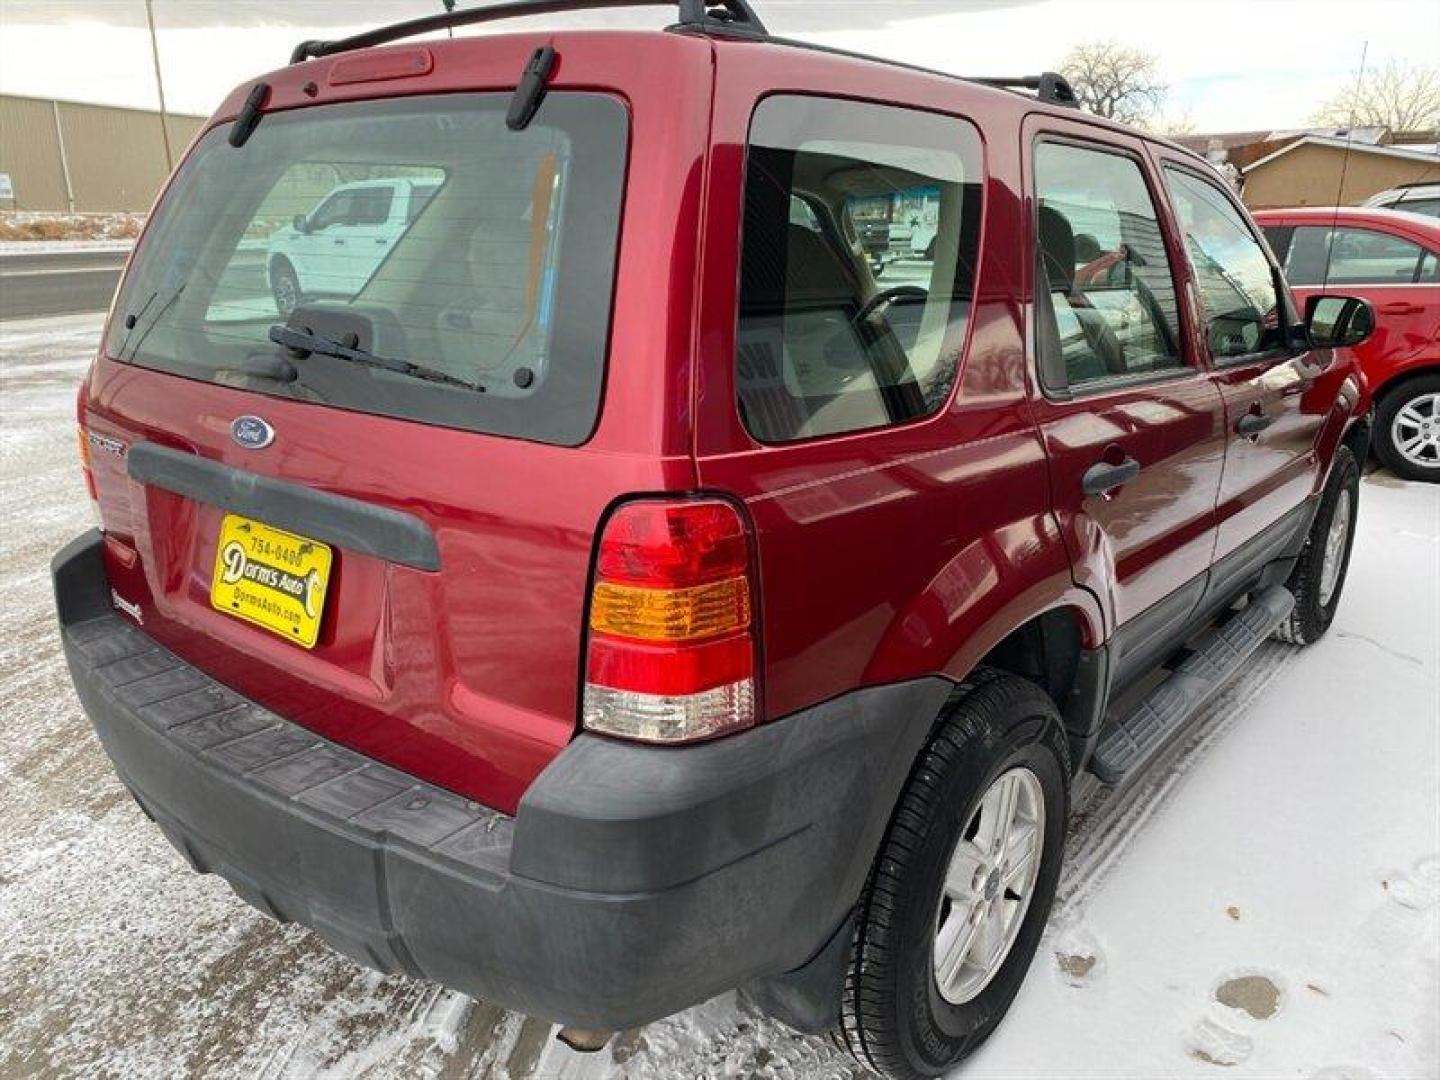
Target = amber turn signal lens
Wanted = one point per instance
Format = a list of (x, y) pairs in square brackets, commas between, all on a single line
[(649, 614)]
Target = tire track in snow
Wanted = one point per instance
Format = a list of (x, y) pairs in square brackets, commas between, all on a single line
[(1106, 822)]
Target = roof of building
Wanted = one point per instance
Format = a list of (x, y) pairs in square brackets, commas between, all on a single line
[(1230, 140), (1403, 152)]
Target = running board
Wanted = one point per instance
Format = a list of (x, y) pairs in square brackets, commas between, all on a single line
[(1216, 658)]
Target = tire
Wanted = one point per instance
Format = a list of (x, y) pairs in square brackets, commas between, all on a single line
[(285, 287), (1319, 577), (895, 1018), (1401, 419)]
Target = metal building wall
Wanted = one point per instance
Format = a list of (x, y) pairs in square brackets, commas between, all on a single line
[(116, 157), (30, 153)]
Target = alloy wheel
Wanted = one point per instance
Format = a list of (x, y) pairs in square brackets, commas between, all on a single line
[(1416, 431), (988, 885)]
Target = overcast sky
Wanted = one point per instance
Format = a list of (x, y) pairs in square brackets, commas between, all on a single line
[(1231, 64)]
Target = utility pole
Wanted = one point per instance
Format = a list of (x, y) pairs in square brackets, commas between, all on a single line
[(159, 86)]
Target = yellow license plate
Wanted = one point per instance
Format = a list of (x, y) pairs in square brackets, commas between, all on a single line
[(271, 578)]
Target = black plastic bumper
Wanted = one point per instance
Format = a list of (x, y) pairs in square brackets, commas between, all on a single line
[(632, 883)]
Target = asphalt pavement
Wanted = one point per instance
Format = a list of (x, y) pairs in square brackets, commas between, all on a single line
[(58, 282)]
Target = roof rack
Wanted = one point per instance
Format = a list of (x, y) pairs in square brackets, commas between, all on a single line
[(712, 16), (1048, 86), (730, 18)]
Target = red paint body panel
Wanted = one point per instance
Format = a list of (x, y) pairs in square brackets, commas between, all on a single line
[(883, 555)]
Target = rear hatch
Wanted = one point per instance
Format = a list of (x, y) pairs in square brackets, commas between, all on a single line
[(346, 424)]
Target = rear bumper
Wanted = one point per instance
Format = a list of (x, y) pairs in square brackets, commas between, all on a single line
[(633, 881)]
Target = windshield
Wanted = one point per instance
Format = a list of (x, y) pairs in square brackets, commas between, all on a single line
[(478, 261)]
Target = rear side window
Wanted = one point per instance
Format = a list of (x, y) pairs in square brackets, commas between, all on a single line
[(1354, 257), (1107, 305), (471, 265), (861, 230), (1429, 207), (1236, 279)]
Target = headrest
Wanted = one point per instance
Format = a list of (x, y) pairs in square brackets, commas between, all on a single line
[(1057, 245)]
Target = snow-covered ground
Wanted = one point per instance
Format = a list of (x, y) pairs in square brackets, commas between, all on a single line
[(1284, 858)]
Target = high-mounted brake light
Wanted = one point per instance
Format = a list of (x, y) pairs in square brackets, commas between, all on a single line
[(672, 642)]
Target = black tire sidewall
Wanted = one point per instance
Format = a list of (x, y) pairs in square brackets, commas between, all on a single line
[(1023, 731), (1390, 405), (1310, 619)]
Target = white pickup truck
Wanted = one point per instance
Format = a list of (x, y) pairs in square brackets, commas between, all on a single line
[(335, 248)]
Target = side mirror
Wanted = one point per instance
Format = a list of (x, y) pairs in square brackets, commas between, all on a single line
[(301, 223), (1334, 322)]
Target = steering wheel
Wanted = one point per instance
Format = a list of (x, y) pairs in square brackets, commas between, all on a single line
[(889, 296)]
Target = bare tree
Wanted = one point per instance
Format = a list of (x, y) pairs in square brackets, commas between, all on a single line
[(1397, 96), (1114, 80), (1173, 125)]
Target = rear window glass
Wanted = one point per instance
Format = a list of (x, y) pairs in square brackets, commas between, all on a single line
[(862, 224), (463, 270), (1347, 256)]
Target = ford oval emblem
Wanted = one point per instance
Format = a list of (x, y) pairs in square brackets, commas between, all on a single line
[(251, 432)]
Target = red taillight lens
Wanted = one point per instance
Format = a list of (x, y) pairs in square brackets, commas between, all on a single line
[(672, 643), (660, 544)]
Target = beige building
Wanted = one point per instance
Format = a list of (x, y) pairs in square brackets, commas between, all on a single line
[(63, 155), (1320, 171)]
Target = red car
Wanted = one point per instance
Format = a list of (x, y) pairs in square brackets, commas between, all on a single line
[(1392, 259), (613, 594)]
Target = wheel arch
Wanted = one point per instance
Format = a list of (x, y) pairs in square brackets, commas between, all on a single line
[(1429, 365), (275, 261), (1060, 649)]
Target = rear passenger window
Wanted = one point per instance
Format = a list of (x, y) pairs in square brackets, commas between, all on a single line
[(1109, 310), (1427, 207), (835, 334), (1355, 257), (1236, 279)]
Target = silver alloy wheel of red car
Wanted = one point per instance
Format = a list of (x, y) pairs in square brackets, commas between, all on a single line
[(1415, 431), (988, 885)]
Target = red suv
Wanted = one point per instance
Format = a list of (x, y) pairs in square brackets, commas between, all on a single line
[(1392, 259), (616, 593)]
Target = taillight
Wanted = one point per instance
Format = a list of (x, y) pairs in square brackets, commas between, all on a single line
[(672, 643)]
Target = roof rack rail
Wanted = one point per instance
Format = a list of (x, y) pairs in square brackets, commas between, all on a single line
[(713, 16), (1048, 86)]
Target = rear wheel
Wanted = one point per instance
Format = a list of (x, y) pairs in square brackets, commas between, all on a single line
[(285, 286), (1407, 425), (1319, 577), (963, 883)]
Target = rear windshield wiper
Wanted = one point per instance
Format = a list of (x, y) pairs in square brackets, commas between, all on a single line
[(303, 343), (133, 319)]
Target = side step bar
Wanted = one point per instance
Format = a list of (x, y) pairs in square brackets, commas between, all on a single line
[(1215, 660)]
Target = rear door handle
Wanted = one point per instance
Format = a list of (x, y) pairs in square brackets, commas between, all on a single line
[(1253, 424), (1103, 477), (339, 243)]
